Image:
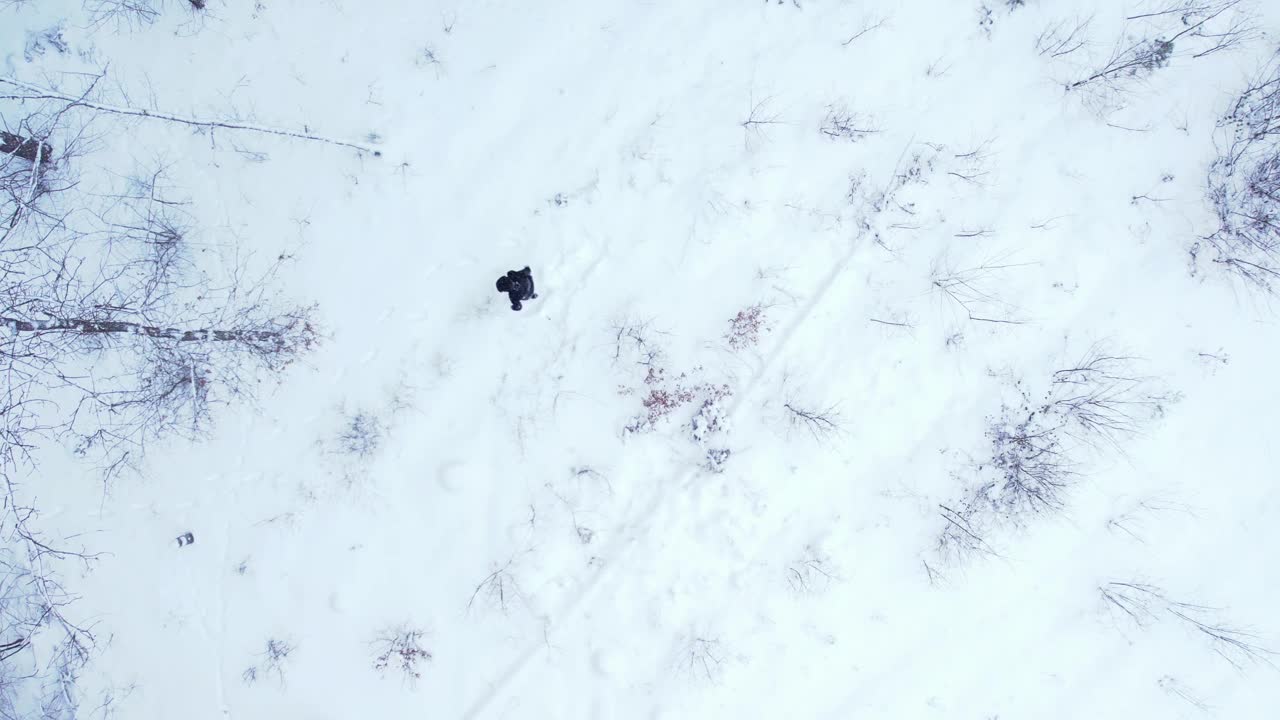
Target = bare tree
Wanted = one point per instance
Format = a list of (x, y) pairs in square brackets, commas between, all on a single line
[(971, 289), (868, 26), (633, 339), (130, 16), (820, 422), (400, 650), (1130, 59), (498, 588), (1188, 28), (1099, 397), (126, 14), (1039, 445), (106, 343), (1063, 37), (1145, 604), (963, 534), (1244, 183), (115, 331), (1176, 688), (1133, 522), (112, 333), (973, 166), (759, 120), (44, 648)]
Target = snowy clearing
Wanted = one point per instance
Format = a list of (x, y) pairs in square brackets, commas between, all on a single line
[(888, 359)]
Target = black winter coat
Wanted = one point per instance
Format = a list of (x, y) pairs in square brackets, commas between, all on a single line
[(518, 285)]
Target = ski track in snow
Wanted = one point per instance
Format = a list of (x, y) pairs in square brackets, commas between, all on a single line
[(640, 525)]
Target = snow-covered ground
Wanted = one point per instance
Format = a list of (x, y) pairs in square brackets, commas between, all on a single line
[(888, 215)]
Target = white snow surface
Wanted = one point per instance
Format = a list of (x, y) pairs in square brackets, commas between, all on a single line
[(602, 143)]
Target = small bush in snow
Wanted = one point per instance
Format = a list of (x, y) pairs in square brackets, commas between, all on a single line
[(986, 19), (665, 396), (917, 170), (702, 658), (38, 43), (361, 436), (841, 124), (716, 459), (987, 16), (712, 419), (709, 425), (745, 327), (812, 573), (633, 340), (400, 650), (426, 57), (662, 400), (272, 661)]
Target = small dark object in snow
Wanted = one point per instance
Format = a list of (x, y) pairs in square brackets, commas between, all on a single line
[(186, 539), (518, 285), (716, 460), (28, 149), (197, 4)]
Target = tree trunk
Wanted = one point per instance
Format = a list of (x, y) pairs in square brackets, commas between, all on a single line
[(105, 327)]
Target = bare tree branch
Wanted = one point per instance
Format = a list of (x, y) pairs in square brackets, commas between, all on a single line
[(821, 423)]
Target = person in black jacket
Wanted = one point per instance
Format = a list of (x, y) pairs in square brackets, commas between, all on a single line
[(518, 285)]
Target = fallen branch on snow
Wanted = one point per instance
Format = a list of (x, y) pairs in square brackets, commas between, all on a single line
[(35, 92)]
